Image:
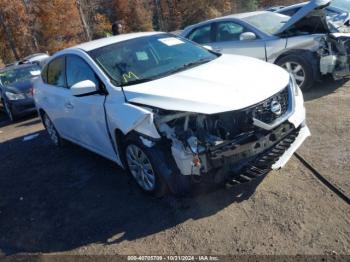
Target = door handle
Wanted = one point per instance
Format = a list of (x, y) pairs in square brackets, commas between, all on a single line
[(69, 105)]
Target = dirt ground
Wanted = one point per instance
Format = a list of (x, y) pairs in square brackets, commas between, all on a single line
[(71, 201)]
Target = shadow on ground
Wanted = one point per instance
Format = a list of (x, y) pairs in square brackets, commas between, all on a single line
[(5, 121), (326, 87), (60, 199)]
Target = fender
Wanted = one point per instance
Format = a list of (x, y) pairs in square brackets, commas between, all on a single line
[(312, 58), (127, 117)]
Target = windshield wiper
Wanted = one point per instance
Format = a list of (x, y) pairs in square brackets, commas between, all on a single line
[(138, 81), (192, 64)]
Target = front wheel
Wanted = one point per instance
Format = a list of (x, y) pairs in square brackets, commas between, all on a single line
[(300, 68), (8, 110), (140, 163)]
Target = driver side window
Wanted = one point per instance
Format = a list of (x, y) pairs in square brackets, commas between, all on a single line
[(78, 70), (229, 31)]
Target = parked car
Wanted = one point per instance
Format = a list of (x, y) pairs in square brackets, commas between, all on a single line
[(303, 44), (171, 112), (38, 59), (16, 89), (337, 13)]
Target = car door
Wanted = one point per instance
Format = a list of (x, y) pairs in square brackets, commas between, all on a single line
[(227, 40), (56, 93), (85, 114)]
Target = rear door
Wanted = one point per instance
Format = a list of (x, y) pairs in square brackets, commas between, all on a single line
[(55, 94), (227, 40)]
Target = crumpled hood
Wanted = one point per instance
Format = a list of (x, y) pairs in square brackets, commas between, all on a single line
[(227, 83), (312, 16)]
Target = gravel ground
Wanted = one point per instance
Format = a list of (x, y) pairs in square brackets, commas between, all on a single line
[(72, 201), (328, 116)]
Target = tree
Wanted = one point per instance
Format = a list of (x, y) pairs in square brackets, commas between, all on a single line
[(31, 20), (59, 24), (14, 21), (135, 15), (248, 5), (9, 36), (102, 26), (82, 16)]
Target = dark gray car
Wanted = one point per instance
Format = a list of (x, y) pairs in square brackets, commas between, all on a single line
[(16, 89)]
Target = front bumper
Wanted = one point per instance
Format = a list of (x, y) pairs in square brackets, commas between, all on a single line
[(252, 162), (303, 134), (23, 106)]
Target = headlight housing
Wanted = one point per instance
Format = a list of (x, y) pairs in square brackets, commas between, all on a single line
[(14, 96)]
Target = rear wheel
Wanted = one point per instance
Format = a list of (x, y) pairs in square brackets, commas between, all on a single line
[(300, 68), (51, 130), (140, 163)]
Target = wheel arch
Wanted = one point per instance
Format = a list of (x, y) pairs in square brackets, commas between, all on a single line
[(119, 140), (312, 58), (41, 113)]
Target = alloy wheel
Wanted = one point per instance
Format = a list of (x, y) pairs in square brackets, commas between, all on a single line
[(296, 70), (51, 130), (141, 168)]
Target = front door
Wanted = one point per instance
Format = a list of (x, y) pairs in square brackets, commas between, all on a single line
[(86, 116), (227, 41)]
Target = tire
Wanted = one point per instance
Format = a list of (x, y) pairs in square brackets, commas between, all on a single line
[(301, 68), (142, 166), (52, 131), (8, 111)]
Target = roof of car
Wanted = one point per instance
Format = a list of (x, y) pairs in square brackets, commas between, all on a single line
[(244, 15), (234, 16), (88, 46)]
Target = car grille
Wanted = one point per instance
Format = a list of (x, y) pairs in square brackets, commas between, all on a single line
[(241, 121), (263, 110)]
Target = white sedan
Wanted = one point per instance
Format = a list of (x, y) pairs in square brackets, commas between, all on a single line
[(171, 112)]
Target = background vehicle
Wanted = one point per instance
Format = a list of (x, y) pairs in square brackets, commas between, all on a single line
[(170, 111), (39, 59), (337, 13), (303, 44), (16, 89)]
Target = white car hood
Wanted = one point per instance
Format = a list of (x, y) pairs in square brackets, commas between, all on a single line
[(228, 83)]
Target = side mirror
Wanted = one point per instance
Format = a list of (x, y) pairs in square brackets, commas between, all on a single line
[(247, 36), (208, 47), (86, 87)]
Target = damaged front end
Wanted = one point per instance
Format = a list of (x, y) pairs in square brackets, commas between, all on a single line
[(236, 146), (334, 55)]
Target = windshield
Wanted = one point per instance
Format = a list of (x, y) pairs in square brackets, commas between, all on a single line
[(269, 23), (148, 58), (11, 76), (341, 4)]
